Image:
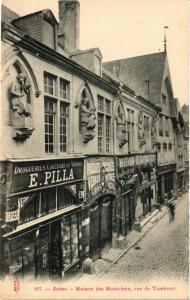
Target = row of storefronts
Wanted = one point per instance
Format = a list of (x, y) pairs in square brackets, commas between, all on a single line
[(60, 212)]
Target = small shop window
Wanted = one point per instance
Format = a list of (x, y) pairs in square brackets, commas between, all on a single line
[(15, 250), (43, 257), (70, 239), (30, 210), (64, 198), (48, 201), (28, 256), (22, 256)]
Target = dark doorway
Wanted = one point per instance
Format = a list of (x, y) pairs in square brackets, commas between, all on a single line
[(100, 227)]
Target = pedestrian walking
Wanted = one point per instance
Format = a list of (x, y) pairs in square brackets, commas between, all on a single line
[(171, 206)]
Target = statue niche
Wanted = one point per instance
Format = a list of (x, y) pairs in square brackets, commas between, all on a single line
[(122, 133), (153, 131), (20, 100), (141, 134), (87, 117)]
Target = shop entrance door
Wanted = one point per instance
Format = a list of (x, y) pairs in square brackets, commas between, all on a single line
[(95, 231), (106, 224), (100, 227), (127, 214)]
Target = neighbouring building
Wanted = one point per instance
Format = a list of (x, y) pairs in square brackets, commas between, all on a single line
[(149, 76), (185, 114), (80, 158)]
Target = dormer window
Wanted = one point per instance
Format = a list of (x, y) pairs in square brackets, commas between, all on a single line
[(41, 26), (49, 34), (97, 65)]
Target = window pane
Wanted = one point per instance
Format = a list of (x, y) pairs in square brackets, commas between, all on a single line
[(43, 264), (49, 84), (63, 127), (108, 123), (15, 248), (100, 132), (64, 89), (66, 243), (64, 198), (107, 106), (48, 201), (74, 237), (49, 126), (100, 103)]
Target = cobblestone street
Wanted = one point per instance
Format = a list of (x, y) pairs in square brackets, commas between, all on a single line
[(162, 255)]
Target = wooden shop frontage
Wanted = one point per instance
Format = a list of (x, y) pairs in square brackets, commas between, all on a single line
[(100, 204), (136, 189), (43, 221)]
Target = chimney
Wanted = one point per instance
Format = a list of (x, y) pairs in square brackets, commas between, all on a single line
[(69, 25)]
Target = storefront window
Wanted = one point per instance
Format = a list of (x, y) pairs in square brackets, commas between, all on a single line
[(22, 256), (15, 250), (70, 239), (74, 237), (28, 256), (48, 201), (31, 210), (42, 256), (64, 198)]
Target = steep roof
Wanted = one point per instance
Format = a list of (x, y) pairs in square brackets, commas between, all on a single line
[(47, 13), (7, 15), (135, 71)]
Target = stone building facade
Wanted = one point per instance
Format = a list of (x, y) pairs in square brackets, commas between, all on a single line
[(149, 76), (79, 148)]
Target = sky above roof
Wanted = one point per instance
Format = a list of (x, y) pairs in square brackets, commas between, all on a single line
[(128, 28)]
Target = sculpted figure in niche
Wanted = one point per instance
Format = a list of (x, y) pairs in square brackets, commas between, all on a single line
[(122, 133), (153, 128), (20, 96), (87, 114), (140, 126), (120, 116), (87, 118)]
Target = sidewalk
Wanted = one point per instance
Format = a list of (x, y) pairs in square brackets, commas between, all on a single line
[(113, 255)]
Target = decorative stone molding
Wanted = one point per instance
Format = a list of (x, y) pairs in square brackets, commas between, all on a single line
[(22, 128)]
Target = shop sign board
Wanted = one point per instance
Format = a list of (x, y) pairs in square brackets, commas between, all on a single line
[(100, 176), (34, 175), (136, 160), (127, 173)]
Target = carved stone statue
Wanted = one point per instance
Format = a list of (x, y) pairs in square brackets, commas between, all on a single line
[(122, 133), (20, 96), (87, 119), (153, 130), (87, 114), (141, 136)]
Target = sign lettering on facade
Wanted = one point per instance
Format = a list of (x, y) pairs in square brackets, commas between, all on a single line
[(136, 160), (100, 175), (26, 176)]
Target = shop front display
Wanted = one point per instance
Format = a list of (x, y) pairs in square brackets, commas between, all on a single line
[(167, 182), (137, 177), (44, 225), (181, 180), (100, 186), (100, 226)]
